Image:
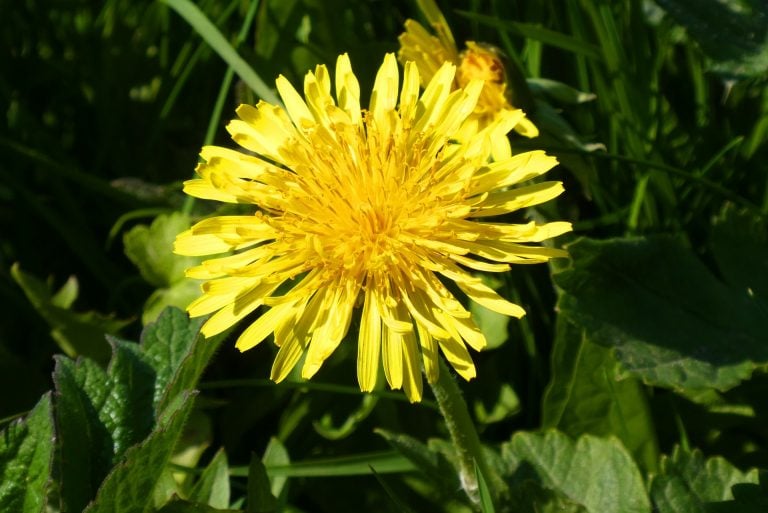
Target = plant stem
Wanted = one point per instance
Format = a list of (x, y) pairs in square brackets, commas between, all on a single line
[(464, 436)]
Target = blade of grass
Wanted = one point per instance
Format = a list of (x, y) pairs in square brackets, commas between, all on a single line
[(226, 83), (546, 36), (221, 46), (383, 462)]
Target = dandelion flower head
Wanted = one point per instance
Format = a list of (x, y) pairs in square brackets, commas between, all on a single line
[(476, 61), (361, 217)]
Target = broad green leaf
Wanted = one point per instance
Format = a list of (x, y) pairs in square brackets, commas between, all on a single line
[(26, 456), (688, 482), (81, 390), (506, 404), (128, 488), (127, 411), (77, 334), (671, 321), (208, 31), (178, 352), (733, 33), (597, 473), (532, 497), (747, 497), (150, 248), (180, 295), (259, 495), (213, 486), (276, 454), (740, 246), (587, 396)]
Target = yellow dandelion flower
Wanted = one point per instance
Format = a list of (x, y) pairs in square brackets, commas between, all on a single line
[(364, 213), (476, 61)]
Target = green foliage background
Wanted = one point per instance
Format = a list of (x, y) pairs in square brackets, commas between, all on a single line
[(637, 381)]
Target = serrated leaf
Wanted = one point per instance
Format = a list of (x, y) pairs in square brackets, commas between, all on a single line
[(586, 396), (150, 248), (128, 412), (688, 482), (75, 333), (595, 472), (26, 455), (673, 325), (81, 389), (128, 488), (178, 352), (747, 497), (213, 486)]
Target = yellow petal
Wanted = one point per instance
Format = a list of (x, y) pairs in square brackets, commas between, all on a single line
[(347, 88), (411, 368), (263, 326), (392, 354), (428, 354), (369, 342), (294, 103), (458, 356), (287, 358)]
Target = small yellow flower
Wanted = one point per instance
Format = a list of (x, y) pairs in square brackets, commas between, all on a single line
[(476, 61), (364, 213)]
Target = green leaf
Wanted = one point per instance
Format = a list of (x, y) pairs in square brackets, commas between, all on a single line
[(276, 454), (688, 482), (150, 248), (219, 44), (587, 396), (671, 321), (178, 353), (260, 498), (733, 33), (128, 411), (213, 486), (595, 472), (81, 390), (180, 295), (740, 246), (532, 497), (26, 455), (76, 333), (128, 488)]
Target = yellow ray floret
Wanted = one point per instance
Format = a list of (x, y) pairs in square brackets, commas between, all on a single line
[(360, 218)]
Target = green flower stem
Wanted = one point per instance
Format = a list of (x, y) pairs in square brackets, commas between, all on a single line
[(464, 437)]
